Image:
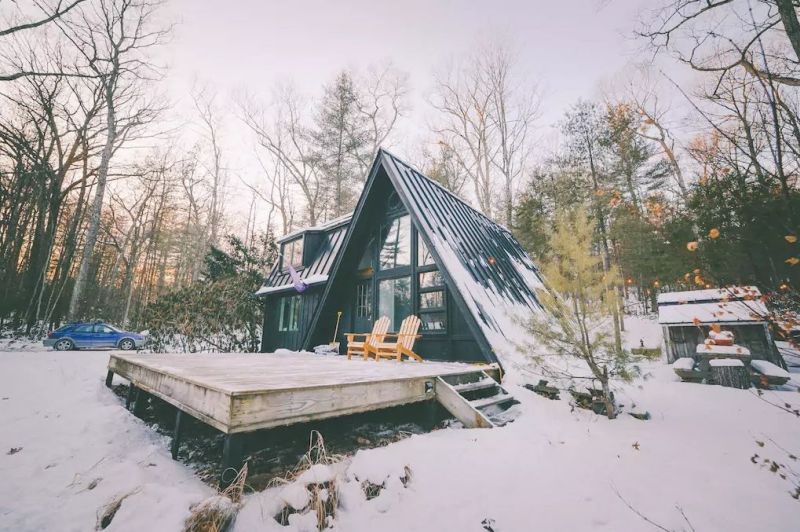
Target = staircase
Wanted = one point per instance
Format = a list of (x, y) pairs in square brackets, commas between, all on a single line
[(474, 398)]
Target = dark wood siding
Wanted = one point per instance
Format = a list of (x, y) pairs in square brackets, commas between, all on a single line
[(273, 338)]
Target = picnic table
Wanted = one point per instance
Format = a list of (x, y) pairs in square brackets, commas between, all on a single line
[(726, 365)]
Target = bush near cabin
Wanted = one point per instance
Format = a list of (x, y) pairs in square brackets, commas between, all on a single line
[(218, 312)]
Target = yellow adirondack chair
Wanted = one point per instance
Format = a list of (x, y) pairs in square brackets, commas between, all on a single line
[(402, 345), (356, 347)]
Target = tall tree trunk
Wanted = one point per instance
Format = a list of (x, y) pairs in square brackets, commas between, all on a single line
[(97, 203)]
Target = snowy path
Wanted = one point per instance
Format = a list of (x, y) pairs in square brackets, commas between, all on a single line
[(549, 470), (72, 431)]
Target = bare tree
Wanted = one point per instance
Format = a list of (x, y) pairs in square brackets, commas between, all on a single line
[(382, 101), (49, 13), (114, 40), (640, 87), (723, 35), (514, 110), (487, 116), (284, 137), (205, 105)]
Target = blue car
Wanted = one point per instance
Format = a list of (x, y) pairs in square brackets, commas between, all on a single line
[(97, 335)]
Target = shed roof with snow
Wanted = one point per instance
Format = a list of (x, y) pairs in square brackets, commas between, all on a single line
[(720, 305)]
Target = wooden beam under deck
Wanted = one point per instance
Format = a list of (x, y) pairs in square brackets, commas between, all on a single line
[(243, 393)]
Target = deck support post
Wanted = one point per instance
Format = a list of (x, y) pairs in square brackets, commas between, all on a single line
[(431, 415), (176, 434), (109, 378), (131, 397), (139, 401), (232, 457)]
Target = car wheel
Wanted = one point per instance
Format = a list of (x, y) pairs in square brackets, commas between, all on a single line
[(126, 344), (64, 344)]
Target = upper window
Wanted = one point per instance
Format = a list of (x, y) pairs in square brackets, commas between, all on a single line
[(289, 314), (293, 253), (394, 204), (395, 248)]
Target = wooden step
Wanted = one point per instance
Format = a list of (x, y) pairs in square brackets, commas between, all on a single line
[(460, 407), (473, 386), (491, 401)]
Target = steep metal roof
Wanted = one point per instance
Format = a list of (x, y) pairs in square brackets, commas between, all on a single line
[(490, 276), (493, 277), (317, 271), (485, 249)]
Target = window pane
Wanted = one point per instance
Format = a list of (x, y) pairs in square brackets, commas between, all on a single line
[(424, 256), (289, 314), (363, 301), (396, 244), (293, 253), (394, 300), (430, 279), (433, 321), (366, 259), (431, 300)]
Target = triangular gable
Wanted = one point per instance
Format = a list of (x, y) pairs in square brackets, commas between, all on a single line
[(489, 275)]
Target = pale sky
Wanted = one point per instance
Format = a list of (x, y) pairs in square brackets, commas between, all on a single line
[(569, 47)]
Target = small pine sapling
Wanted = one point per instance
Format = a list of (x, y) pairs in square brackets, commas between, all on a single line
[(579, 303)]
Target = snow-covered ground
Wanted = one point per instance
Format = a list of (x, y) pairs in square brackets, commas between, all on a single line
[(725, 459)]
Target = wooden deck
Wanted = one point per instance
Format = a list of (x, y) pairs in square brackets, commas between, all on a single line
[(243, 393)]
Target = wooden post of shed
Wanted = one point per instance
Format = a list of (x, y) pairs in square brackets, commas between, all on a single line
[(109, 378)]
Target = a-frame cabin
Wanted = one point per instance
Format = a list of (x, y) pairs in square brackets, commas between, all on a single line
[(410, 247)]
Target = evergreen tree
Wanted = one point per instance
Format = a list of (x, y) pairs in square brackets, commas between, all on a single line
[(579, 305), (341, 138), (219, 312), (633, 159)]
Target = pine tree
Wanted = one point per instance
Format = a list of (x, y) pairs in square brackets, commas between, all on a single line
[(340, 136), (579, 304)]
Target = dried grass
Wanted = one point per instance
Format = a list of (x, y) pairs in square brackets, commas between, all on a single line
[(106, 514), (323, 496), (217, 513)]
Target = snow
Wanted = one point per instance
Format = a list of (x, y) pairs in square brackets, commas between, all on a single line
[(769, 369), (685, 363), (726, 363), (641, 330), (310, 280), (560, 470), (731, 312), (734, 350), (713, 294), (330, 224), (704, 449), (79, 449)]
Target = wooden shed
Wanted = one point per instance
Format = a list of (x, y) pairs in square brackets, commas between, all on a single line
[(687, 317)]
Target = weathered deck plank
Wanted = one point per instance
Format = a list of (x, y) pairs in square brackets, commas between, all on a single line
[(242, 393)]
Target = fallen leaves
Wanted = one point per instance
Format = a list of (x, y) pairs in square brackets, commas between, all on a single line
[(635, 445), (793, 261), (790, 238), (714, 233), (14, 450), (691, 246)]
